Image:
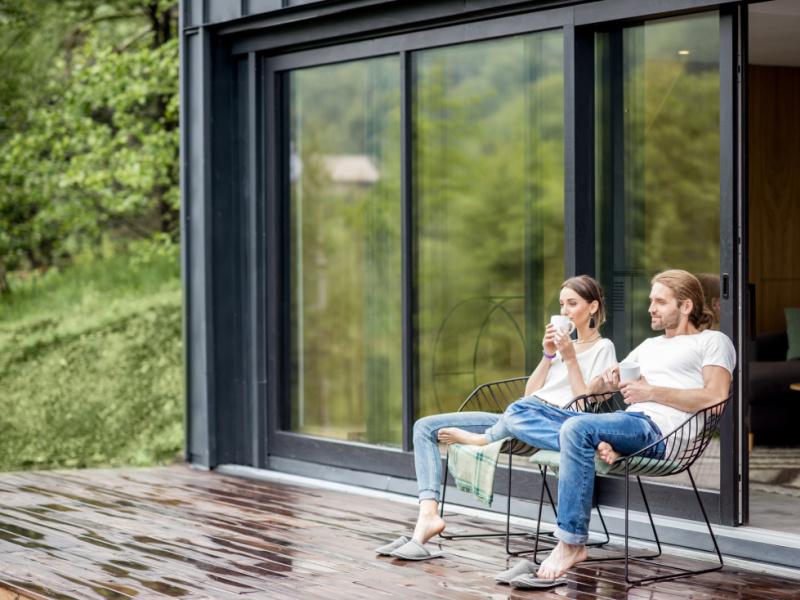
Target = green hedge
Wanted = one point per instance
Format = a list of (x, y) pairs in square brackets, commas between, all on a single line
[(91, 366)]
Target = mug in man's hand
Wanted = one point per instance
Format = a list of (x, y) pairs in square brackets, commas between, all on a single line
[(628, 372)]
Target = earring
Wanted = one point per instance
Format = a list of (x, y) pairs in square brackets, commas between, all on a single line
[(591, 322)]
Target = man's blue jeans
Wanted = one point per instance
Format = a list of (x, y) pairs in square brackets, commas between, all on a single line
[(576, 436), (541, 425)]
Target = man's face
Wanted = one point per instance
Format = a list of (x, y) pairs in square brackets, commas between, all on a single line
[(664, 310)]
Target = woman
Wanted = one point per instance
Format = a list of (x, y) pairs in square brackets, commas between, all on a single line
[(565, 369)]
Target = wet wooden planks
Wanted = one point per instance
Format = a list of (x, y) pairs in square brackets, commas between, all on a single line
[(176, 532)]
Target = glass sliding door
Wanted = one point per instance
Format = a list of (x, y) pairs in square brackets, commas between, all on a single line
[(657, 94), (488, 180), (657, 169), (344, 178)]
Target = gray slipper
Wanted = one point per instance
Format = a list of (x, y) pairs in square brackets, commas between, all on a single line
[(413, 550), (523, 567), (387, 549), (531, 582)]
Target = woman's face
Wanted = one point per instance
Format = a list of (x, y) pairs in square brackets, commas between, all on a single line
[(575, 307)]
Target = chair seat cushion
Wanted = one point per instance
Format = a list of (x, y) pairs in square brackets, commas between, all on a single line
[(552, 460)]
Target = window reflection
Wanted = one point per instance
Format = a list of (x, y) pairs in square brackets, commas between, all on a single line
[(657, 172), (488, 199), (344, 173), (657, 161)]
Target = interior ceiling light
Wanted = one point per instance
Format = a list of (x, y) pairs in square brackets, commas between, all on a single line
[(684, 52)]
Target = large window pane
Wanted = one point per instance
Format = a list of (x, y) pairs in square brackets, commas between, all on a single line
[(488, 198), (345, 251), (657, 170), (658, 161)]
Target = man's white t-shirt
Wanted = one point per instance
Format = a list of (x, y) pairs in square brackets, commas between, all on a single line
[(557, 390), (678, 362)]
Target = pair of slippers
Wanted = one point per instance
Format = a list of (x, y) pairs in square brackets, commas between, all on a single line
[(407, 549), (522, 576)]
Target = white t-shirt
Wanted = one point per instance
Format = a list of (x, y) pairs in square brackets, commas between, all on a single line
[(678, 362), (556, 389)]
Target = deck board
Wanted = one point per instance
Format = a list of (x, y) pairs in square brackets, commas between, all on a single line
[(182, 533)]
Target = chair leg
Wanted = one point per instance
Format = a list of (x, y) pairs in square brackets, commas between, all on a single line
[(681, 571), (444, 485), (535, 552), (506, 534), (605, 529), (650, 517), (538, 534)]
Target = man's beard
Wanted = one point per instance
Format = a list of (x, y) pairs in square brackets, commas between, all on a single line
[(670, 322)]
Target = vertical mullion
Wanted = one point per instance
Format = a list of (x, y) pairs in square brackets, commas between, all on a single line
[(407, 248), (578, 151), (744, 266), (729, 249), (256, 265), (274, 254)]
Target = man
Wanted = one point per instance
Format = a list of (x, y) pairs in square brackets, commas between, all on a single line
[(688, 368)]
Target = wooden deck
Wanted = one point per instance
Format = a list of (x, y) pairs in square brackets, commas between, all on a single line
[(176, 532)]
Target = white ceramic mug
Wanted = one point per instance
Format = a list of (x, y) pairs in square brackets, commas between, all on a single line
[(562, 323), (628, 372)]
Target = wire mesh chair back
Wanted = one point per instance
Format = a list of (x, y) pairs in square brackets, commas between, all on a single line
[(684, 445), (494, 397)]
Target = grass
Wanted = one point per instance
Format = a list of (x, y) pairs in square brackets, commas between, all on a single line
[(91, 365)]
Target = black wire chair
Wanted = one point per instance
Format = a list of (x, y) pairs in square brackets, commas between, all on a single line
[(495, 396), (684, 445)]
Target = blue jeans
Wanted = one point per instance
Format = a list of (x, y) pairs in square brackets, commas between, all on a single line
[(539, 424), (576, 436)]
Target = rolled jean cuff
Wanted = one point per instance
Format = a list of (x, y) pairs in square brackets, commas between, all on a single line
[(496, 432), (570, 538), (429, 495), (490, 437)]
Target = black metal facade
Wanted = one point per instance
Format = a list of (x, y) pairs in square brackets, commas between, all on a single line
[(235, 279)]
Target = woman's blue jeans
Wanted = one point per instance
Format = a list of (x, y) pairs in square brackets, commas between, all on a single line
[(576, 435)]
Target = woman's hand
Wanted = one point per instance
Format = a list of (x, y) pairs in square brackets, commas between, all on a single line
[(549, 342), (564, 346), (610, 378)]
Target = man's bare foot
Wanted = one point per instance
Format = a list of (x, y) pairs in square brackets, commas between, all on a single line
[(427, 527), (606, 453), (563, 557), (454, 435)]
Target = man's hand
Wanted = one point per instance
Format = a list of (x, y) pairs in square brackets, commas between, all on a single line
[(637, 391)]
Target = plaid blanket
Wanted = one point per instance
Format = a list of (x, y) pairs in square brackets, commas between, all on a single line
[(472, 468)]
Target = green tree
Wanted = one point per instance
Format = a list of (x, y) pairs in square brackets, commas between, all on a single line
[(88, 127)]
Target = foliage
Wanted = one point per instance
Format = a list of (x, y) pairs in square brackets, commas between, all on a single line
[(95, 152), (91, 365)]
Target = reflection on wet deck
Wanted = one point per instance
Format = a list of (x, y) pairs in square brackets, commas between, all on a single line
[(176, 532)]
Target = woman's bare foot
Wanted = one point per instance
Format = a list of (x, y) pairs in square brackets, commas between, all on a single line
[(454, 435), (563, 557), (429, 523), (606, 453)]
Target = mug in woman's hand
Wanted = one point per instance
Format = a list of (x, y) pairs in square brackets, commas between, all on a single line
[(562, 323)]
